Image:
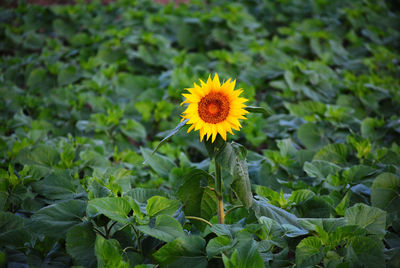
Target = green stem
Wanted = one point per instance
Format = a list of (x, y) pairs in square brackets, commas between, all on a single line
[(232, 209), (218, 189), (199, 219)]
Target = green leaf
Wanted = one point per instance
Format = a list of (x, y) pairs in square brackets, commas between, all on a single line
[(245, 255), (43, 154), (385, 192), (197, 199), (366, 252), (172, 133), (370, 218), (335, 153), (218, 245), (320, 169), (56, 219), (13, 231), (134, 130), (56, 186), (356, 173), (309, 252), (109, 253), (233, 158), (68, 75), (183, 252), (160, 164), (166, 228), (141, 195), (301, 196), (259, 110), (158, 205), (79, 243), (115, 208), (311, 136), (262, 208)]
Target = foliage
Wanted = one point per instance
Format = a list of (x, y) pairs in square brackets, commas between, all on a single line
[(89, 90)]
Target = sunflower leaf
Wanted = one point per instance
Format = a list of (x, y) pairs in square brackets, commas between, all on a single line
[(172, 133), (260, 110)]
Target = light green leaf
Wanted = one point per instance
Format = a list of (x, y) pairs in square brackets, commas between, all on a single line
[(158, 205), (166, 228), (109, 253), (309, 252), (335, 153), (115, 208), (371, 218)]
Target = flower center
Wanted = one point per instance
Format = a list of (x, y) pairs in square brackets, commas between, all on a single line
[(213, 108)]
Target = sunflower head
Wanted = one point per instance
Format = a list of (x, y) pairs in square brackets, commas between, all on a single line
[(214, 108)]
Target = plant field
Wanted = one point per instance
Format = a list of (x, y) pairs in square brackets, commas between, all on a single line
[(88, 91)]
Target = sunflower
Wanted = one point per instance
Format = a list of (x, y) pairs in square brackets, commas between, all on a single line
[(214, 108)]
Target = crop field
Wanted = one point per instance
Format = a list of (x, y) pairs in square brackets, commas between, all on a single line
[(237, 134)]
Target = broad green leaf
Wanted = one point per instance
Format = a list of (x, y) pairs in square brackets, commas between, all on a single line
[(134, 130), (56, 219), (115, 208), (311, 136), (245, 255), (172, 133), (183, 252), (166, 228), (371, 218), (79, 243), (335, 153), (68, 75), (42, 154), (233, 158), (109, 253), (158, 205), (196, 198), (356, 173), (301, 196), (262, 208), (218, 245), (309, 252), (366, 252), (141, 195), (56, 186), (320, 169), (159, 163), (385, 192), (13, 231)]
